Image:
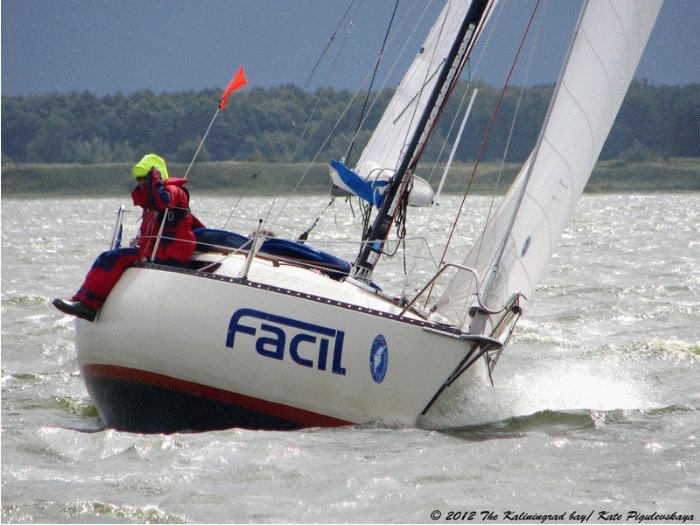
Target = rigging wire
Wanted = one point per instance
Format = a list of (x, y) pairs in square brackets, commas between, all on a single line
[(487, 135), (402, 208), (317, 97), (365, 207), (328, 46), (357, 94), (305, 235), (471, 73), (315, 106), (399, 56), (510, 132), (374, 76)]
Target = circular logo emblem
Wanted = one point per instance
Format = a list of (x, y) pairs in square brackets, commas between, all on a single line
[(379, 359)]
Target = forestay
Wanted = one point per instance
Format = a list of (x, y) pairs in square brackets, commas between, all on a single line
[(520, 237)]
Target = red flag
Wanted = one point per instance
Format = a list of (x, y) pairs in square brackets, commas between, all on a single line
[(237, 82)]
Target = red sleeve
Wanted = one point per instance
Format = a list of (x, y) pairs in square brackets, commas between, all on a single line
[(177, 198), (158, 195), (140, 197)]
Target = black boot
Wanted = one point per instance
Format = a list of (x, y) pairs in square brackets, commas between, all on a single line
[(75, 308)]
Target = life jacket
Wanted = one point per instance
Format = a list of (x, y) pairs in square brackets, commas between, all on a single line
[(169, 199)]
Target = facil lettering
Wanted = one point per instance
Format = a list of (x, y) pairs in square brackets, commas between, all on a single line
[(309, 344)]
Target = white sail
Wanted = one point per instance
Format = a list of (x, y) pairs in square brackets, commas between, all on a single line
[(399, 124), (521, 236), (400, 119)]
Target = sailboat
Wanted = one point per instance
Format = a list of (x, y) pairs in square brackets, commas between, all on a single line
[(275, 334)]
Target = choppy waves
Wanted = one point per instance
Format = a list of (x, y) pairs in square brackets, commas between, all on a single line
[(594, 403)]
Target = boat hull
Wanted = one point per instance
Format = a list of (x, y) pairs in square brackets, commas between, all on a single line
[(177, 350), (137, 401)]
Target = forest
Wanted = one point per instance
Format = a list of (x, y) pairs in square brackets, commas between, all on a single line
[(288, 125)]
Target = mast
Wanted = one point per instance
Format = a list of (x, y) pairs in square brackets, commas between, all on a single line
[(373, 244)]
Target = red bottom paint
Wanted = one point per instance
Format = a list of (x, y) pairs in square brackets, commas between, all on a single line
[(138, 401)]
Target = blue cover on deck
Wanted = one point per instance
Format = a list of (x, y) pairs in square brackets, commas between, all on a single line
[(329, 264), (208, 239)]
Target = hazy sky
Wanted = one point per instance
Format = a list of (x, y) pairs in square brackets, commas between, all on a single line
[(106, 46)]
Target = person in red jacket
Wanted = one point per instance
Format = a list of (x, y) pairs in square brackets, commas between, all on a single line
[(160, 197)]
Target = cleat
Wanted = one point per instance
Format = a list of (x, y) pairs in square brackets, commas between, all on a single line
[(75, 308)]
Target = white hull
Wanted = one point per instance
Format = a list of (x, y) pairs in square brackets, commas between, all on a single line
[(280, 349)]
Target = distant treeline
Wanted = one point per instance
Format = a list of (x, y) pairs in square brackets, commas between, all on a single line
[(286, 124), (274, 178)]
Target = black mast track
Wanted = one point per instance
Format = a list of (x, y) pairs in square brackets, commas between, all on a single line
[(373, 242)]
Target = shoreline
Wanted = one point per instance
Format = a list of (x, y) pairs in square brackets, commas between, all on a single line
[(257, 178)]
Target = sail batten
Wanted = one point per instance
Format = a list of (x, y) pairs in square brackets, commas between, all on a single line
[(522, 235)]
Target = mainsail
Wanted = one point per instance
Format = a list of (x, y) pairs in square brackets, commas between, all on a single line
[(387, 146), (520, 237), (399, 122)]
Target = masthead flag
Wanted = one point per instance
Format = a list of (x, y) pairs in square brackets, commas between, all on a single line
[(237, 82)]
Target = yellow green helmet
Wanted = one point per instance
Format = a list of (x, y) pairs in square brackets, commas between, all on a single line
[(146, 163)]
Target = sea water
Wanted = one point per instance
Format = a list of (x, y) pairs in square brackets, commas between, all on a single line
[(593, 416)]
